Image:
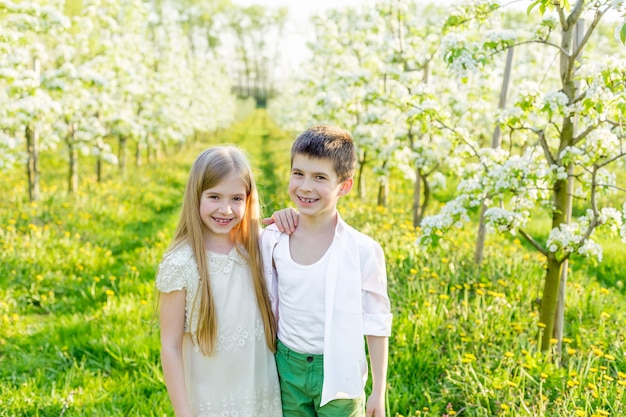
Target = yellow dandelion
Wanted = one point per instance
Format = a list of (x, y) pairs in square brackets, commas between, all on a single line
[(580, 413), (543, 375), (607, 378), (509, 354), (571, 383), (504, 406), (567, 340), (541, 325), (553, 341), (110, 292), (570, 351)]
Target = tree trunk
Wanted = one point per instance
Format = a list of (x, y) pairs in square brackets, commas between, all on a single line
[(121, 154), (32, 162), (383, 188), (73, 167), (562, 202), (549, 300), (138, 160), (99, 161), (495, 144), (149, 150), (559, 319), (417, 195), (425, 201), (480, 238), (360, 178), (99, 168)]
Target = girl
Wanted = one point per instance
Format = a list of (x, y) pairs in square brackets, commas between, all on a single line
[(217, 329)]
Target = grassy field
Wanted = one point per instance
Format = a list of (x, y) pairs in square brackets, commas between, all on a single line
[(78, 335)]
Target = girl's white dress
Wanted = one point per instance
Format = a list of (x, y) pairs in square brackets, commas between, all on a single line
[(240, 379)]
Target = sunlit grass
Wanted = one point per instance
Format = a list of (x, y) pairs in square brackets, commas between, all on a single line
[(77, 328)]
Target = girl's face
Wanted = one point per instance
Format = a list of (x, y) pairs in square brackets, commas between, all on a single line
[(222, 208)]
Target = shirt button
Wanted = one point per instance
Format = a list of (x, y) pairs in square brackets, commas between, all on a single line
[(309, 358)]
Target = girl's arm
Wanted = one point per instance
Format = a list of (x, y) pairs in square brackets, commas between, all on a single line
[(378, 347), (172, 318)]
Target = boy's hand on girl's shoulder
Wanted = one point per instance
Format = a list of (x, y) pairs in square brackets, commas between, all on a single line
[(286, 220)]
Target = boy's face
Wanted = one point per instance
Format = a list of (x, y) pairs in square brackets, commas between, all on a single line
[(314, 186)]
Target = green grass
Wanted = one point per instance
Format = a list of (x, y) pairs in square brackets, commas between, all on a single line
[(78, 335)]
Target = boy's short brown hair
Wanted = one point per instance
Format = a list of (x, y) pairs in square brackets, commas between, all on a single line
[(328, 142)]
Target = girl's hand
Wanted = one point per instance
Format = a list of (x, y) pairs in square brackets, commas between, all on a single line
[(286, 220)]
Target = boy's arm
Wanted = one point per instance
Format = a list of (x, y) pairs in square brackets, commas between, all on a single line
[(172, 319), (378, 347), (286, 220)]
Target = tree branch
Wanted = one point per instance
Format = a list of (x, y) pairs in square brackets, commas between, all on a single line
[(564, 22), (583, 134), (596, 19), (544, 146), (533, 242), (609, 161)]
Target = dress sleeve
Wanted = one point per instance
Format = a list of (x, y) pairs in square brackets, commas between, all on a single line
[(173, 274)]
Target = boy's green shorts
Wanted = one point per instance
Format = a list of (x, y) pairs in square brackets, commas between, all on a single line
[(301, 377)]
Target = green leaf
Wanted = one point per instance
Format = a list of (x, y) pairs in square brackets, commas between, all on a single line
[(532, 6), (622, 34)]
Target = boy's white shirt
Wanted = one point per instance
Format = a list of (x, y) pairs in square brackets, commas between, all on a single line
[(356, 305)]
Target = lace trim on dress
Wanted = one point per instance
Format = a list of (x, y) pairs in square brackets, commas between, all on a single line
[(239, 337), (219, 262), (263, 403)]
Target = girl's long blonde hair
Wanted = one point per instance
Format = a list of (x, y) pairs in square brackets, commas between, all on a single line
[(209, 168)]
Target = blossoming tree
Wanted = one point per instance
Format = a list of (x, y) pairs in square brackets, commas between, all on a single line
[(105, 70), (571, 133)]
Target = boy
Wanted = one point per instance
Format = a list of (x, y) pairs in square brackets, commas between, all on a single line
[(328, 288)]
